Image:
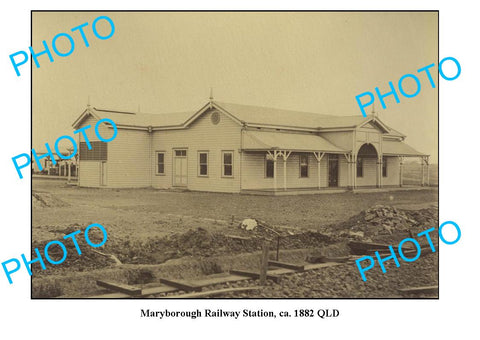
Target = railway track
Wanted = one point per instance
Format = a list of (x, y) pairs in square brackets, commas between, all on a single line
[(199, 288)]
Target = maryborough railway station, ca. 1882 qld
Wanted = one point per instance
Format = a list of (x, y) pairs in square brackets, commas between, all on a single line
[(235, 148)]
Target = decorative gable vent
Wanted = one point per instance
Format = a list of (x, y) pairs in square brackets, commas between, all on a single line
[(215, 117)]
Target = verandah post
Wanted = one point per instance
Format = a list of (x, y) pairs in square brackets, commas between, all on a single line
[(401, 171), (319, 176), (423, 171), (428, 173), (275, 172)]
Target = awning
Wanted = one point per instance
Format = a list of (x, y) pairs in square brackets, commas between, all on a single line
[(399, 149), (266, 140)]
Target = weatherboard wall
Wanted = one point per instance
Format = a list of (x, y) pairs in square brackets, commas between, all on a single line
[(129, 159), (254, 172), (89, 171), (203, 135), (369, 177), (393, 172)]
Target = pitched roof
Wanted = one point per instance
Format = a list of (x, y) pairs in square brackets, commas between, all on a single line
[(395, 133), (275, 140), (258, 115), (144, 119), (246, 114), (399, 149), (125, 118)]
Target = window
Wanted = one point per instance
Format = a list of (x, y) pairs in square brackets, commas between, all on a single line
[(160, 163), (98, 152), (359, 167), (303, 165), (227, 163), (384, 166), (203, 164), (269, 168), (181, 153)]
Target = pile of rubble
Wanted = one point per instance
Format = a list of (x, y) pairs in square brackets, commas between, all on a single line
[(90, 259), (383, 221)]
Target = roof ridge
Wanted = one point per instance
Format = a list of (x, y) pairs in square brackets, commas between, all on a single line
[(141, 113), (274, 108), (115, 111)]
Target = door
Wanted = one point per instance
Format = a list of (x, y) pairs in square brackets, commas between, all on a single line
[(180, 168), (333, 170), (103, 173)]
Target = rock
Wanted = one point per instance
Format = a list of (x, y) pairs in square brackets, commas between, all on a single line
[(359, 234), (249, 224)]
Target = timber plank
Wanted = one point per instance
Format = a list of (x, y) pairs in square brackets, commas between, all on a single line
[(253, 275), (219, 280), (212, 293), (286, 265), (145, 292), (182, 285), (234, 276), (120, 287), (419, 290), (405, 252), (360, 248), (314, 266)]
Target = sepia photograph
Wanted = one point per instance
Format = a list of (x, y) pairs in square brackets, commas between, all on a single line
[(235, 155)]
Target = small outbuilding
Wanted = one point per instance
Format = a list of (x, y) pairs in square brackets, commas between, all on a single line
[(224, 147)]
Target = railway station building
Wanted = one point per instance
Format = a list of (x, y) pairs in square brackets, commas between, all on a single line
[(224, 147)]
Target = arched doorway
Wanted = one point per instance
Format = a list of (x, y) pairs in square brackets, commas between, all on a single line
[(367, 166)]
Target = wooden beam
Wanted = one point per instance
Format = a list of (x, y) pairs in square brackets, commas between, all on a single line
[(407, 251), (286, 265), (318, 174), (354, 172), (428, 173), (419, 290), (182, 285), (254, 275), (120, 287), (423, 172), (212, 293), (326, 259), (314, 266), (273, 274), (349, 167), (360, 248), (380, 169), (378, 172), (319, 155), (401, 170), (264, 263), (275, 174), (428, 179)]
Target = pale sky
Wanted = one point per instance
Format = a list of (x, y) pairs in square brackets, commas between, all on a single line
[(304, 61)]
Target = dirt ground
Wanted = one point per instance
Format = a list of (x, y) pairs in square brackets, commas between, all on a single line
[(147, 226), (143, 213)]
